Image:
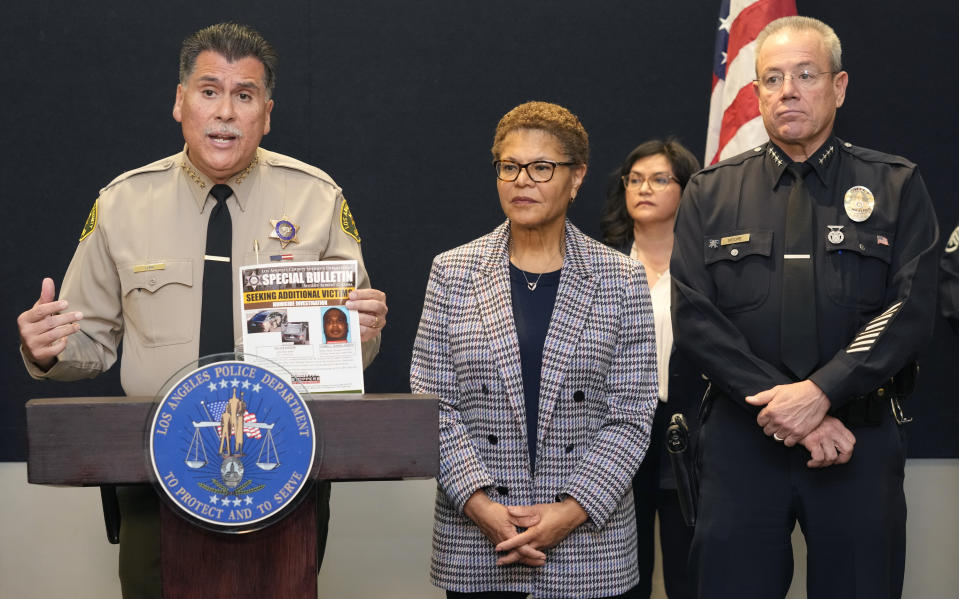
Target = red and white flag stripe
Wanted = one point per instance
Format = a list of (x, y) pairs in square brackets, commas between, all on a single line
[(734, 122), (251, 431)]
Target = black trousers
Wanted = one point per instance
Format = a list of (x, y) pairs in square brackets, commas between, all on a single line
[(140, 538), (674, 536), (753, 490)]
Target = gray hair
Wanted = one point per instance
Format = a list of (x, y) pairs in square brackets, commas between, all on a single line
[(232, 41), (796, 23)]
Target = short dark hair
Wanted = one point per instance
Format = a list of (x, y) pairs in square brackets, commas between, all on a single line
[(232, 41), (329, 312), (616, 224)]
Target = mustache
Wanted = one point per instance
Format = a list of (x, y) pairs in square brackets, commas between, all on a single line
[(223, 129)]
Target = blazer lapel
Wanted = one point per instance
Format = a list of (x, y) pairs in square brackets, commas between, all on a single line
[(573, 305), (495, 304)]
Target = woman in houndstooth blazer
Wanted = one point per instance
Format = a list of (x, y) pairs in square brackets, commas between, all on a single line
[(539, 342)]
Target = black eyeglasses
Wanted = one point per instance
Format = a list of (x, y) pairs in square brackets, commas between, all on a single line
[(539, 171), (657, 182)]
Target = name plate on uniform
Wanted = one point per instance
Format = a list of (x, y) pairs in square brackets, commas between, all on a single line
[(231, 446), (735, 239)]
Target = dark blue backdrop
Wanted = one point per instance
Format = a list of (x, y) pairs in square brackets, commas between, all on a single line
[(398, 101)]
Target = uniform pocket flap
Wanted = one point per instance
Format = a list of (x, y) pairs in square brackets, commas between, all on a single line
[(154, 275), (736, 245), (865, 242)]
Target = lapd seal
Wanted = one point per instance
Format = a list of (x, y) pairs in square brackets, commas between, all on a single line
[(231, 446)]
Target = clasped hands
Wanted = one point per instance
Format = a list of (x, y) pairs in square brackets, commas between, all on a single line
[(797, 413), (546, 525)]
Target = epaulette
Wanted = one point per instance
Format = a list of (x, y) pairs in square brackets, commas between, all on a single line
[(163, 164), (283, 161), (738, 159), (868, 155)]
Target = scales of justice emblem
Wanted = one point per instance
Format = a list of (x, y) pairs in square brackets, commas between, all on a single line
[(231, 425), (231, 445)]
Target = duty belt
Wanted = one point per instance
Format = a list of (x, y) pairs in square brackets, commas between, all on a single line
[(866, 410)]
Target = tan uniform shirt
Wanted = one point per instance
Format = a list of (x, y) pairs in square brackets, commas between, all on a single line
[(138, 275)]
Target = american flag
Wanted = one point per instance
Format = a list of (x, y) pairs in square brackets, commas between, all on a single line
[(734, 122), (216, 412)]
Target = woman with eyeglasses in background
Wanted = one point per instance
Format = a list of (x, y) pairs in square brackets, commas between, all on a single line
[(641, 203)]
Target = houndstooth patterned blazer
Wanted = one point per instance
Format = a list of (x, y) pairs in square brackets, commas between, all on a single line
[(597, 398)]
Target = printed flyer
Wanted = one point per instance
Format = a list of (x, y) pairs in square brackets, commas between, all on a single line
[(296, 316)]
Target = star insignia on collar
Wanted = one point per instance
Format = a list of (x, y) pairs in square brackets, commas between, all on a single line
[(826, 155), (285, 230), (775, 156)]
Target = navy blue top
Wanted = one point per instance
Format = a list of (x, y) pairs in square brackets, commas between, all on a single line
[(532, 311)]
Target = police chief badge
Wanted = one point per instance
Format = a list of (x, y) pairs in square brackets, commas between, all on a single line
[(859, 203), (231, 446)]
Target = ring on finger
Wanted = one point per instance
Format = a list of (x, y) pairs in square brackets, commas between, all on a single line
[(376, 321), (778, 438)]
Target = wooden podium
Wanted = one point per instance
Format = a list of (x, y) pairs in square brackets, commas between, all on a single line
[(91, 441)]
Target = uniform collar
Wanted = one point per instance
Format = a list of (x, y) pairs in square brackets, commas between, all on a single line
[(821, 161), (200, 185)]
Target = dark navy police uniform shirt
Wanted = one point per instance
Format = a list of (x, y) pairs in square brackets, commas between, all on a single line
[(875, 288)]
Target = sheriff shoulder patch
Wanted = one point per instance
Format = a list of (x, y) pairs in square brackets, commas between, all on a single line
[(347, 223), (91, 223)]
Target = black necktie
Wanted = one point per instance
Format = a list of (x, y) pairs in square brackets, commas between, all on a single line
[(798, 337), (216, 316)]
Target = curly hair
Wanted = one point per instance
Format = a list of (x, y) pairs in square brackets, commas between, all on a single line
[(616, 223), (551, 118)]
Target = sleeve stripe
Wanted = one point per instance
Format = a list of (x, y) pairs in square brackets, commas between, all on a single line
[(867, 337), (876, 325), (892, 310)]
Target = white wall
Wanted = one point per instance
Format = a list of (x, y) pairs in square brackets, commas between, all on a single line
[(52, 541)]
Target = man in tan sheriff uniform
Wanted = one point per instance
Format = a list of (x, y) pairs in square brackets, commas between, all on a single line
[(137, 274)]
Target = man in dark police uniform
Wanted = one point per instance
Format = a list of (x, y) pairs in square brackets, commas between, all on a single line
[(147, 270), (804, 281)]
